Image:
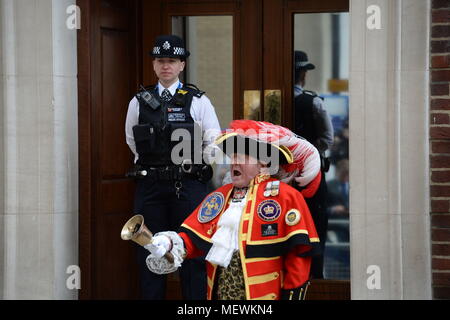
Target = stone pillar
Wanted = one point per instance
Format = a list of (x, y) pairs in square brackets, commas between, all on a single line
[(39, 167), (389, 196)]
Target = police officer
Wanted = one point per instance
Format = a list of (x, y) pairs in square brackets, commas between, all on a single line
[(171, 181), (311, 121)]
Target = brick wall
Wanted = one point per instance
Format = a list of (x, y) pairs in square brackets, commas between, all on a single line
[(440, 147)]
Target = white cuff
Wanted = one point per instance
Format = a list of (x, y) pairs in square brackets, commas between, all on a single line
[(161, 265)]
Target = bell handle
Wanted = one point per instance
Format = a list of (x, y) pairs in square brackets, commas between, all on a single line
[(169, 257)]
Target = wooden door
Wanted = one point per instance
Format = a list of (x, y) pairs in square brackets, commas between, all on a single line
[(109, 74), (114, 42)]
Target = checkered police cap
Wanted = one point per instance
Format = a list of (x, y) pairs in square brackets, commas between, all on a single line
[(169, 46), (301, 61)]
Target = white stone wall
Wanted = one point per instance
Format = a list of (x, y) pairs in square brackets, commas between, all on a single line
[(39, 167), (389, 196)]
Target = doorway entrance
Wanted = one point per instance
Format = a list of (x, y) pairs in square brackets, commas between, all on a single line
[(243, 58)]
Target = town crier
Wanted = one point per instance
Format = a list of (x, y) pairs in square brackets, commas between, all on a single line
[(257, 232)]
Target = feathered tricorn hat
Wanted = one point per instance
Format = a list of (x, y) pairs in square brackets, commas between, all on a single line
[(297, 158)]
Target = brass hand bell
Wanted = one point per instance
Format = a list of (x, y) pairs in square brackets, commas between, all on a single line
[(136, 231)]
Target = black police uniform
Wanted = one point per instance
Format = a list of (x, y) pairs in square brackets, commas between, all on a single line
[(304, 125), (167, 192)]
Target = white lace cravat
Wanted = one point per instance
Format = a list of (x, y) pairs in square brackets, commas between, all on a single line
[(226, 239)]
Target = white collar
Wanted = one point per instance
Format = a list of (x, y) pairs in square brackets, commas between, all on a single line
[(172, 89)]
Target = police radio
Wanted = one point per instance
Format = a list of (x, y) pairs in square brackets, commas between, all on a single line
[(149, 99)]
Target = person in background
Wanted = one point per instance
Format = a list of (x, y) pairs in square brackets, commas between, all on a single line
[(338, 191), (311, 121)]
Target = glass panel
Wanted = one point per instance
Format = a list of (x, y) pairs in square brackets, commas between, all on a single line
[(272, 106), (327, 48), (252, 104), (210, 66)]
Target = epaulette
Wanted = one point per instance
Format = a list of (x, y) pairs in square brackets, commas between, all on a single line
[(195, 91), (312, 93)]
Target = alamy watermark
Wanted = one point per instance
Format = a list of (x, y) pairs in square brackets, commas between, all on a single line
[(374, 280), (248, 142), (73, 281), (73, 21), (373, 21)]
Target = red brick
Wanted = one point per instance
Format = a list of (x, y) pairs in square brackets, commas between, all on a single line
[(440, 133), (440, 89), (441, 278), (440, 75), (440, 264), (441, 161), (440, 104), (440, 147), (440, 234), (439, 118), (440, 46), (440, 16), (440, 250), (440, 61), (440, 31), (440, 191), (438, 4), (440, 206), (441, 292), (440, 176), (440, 221)]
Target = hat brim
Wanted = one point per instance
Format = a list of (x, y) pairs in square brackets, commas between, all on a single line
[(308, 66), (232, 143)]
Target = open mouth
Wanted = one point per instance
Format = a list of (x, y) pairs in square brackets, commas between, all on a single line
[(236, 172)]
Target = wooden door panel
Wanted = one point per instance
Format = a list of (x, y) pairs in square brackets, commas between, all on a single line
[(329, 290), (117, 196), (311, 6), (112, 62), (116, 68), (116, 266), (116, 272), (115, 14)]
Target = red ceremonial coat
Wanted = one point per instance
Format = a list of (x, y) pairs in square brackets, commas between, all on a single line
[(276, 237)]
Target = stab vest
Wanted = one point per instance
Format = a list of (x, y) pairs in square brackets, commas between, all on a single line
[(153, 134), (303, 116)]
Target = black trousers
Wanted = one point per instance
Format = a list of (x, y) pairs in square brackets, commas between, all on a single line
[(157, 201), (318, 207)]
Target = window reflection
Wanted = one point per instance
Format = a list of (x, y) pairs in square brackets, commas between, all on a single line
[(321, 66), (210, 66)]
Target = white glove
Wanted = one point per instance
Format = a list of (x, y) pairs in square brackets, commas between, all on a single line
[(159, 246)]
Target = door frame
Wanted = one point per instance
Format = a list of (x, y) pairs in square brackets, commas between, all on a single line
[(320, 289), (248, 53), (291, 8)]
